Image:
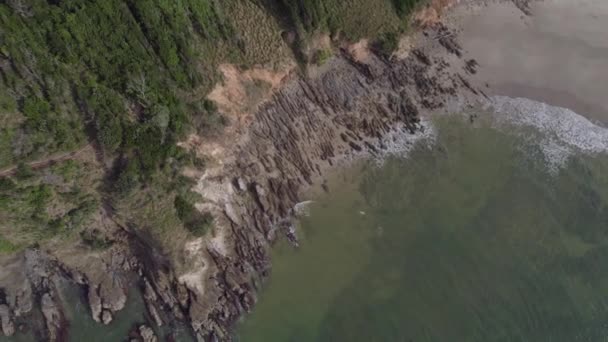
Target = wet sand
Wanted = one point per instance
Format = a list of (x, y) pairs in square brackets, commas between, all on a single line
[(558, 55)]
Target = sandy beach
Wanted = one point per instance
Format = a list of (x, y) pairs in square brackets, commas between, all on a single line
[(557, 55)]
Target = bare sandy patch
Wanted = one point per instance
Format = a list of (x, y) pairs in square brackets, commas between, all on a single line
[(432, 14), (194, 279), (243, 90), (360, 51), (404, 48)]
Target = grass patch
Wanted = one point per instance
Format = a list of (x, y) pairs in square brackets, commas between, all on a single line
[(405, 7), (6, 246), (322, 56), (95, 240), (386, 44)]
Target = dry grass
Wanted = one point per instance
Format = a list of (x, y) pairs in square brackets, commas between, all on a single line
[(359, 19), (259, 33)]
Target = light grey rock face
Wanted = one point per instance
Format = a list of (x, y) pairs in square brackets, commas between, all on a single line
[(94, 304), (155, 315), (242, 184), (28, 275), (312, 122), (106, 317), (232, 213), (8, 328), (112, 294), (23, 300), (147, 334), (105, 299), (52, 316)]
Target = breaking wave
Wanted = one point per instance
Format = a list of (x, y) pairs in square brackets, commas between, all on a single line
[(559, 132)]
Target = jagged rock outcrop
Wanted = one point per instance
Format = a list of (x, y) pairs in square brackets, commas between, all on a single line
[(53, 317), (6, 323), (524, 6), (147, 334), (30, 286), (340, 110)]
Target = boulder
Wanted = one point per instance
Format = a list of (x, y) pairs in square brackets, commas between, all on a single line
[(8, 328), (147, 334), (52, 316), (106, 317)]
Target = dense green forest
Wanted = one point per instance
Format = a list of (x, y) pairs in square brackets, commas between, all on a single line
[(130, 78), (105, 70)]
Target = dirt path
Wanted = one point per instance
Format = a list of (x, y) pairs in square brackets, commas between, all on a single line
[(39, 164)]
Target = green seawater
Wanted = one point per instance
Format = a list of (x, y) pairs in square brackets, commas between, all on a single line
[(470, 238), (82, 327)]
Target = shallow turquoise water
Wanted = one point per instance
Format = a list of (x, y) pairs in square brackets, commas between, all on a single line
[(469, 239)]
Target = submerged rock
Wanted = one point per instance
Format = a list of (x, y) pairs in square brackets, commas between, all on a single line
[(8, 327), (344, 110), (106, 317), (147, 334), (52, 316), (94, 303)]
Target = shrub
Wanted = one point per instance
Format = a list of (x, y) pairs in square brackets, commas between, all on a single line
[(95, 240), (404, 7), (7, 103), (386, 44), (127, 179), (194, 221), (24, 171), (322, 56), (7, 184)]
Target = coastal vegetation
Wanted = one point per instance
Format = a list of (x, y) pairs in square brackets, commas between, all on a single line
[(130, 78)]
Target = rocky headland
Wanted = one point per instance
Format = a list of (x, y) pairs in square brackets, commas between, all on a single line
[(360, 102)]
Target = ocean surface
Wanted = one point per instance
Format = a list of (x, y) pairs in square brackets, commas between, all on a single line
[(492, 228)]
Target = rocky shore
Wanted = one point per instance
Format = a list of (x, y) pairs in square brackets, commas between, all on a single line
[(352, 105), (349, 108)]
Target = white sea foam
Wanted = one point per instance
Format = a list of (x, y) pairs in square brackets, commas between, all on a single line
[(302, 208), (399, 143), (561, 132)]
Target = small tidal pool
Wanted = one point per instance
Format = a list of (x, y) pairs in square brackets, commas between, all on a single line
[(469, 238)]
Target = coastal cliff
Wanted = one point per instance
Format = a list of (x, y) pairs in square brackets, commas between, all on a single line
[(349, 108), (357, 103), (340, 110)]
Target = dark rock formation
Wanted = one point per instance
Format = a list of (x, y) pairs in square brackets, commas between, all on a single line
[(143, 333), (6, 323), (147, 334), (524, 6), (342, 109)]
